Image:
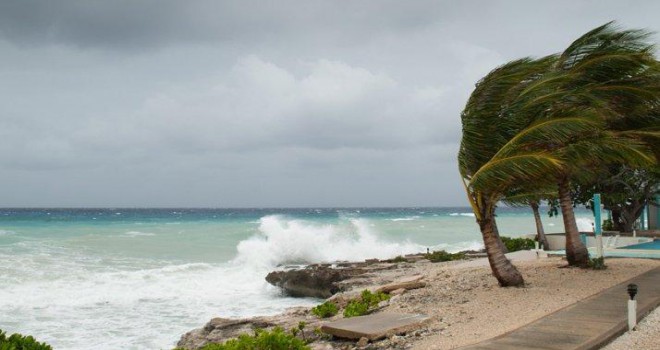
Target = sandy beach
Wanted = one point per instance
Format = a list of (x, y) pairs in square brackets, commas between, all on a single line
[(468, 306)]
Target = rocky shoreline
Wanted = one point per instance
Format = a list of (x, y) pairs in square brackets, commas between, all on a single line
[(465, 304), (339, 283)]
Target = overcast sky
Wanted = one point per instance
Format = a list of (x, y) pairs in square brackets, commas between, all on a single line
[(257, 103)]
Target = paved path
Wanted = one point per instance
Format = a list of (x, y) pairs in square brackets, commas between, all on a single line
[(585, 325)]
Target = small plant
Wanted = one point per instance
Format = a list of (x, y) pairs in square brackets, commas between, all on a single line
[(366, 302), (440, 256), (515, 244), (597, 264), (398, 259), (276, 339), (301, 328), (19, 342), (320, 334), (325, 310), (608, 225)]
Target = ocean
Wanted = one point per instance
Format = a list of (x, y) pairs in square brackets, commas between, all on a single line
[(139, 278)]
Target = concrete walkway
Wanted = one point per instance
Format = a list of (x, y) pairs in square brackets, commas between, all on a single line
[(585, 325)]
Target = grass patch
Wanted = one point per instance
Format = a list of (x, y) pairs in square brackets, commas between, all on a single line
[(597, 264), (325, 310), (366, 303), (516, 244)]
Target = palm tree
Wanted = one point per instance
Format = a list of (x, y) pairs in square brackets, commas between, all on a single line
[(538, 122), (606, 74), (486, 128)]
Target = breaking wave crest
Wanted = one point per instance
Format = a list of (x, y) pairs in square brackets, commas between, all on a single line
[(286, 241)]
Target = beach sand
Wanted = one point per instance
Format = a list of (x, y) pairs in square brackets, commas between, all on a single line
[(645, 336), (467, 305)]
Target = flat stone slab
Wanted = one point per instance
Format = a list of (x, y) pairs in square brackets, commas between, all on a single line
[(374, 327)]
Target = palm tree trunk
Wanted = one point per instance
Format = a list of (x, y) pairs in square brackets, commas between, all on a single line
[(507, 275), (576, 252), (496, 233), (540, 233)]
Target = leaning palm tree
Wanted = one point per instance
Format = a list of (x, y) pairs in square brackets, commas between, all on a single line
[(537, 122), (609, 75), (486, 128)]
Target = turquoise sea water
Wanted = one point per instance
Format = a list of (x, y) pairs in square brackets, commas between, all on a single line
[(139, 278)]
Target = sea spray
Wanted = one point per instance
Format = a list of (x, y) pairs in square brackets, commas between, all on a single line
[(288, 241)]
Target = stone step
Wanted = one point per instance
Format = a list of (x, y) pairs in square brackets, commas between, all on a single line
[(376, 326)]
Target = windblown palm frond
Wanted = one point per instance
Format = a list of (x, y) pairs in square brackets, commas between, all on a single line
[(500, 174)]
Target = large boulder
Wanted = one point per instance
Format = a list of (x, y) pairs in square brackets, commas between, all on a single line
[(317, 281)]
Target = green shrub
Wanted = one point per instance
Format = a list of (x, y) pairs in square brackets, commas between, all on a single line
[(325, 310), (276, 339), (515, 244), (440, 256), (608, 225), (364, 304), (20, 342), (597, 264), (397, 259)]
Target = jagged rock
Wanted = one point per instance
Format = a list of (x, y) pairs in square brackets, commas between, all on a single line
[(362, 342), (314, 281), (219, 330), (412, 282)]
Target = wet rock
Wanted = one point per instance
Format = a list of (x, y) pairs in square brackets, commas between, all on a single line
[(314, 281)]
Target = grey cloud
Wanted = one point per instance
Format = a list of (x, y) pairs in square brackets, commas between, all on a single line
[(134, 24), (257, 103)]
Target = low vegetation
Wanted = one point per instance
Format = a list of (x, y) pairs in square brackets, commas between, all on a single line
[(277, 339), (440, 256), (19, 342), (516, 244), (365, 304), (397, 259), (597, 264), (325, 310)]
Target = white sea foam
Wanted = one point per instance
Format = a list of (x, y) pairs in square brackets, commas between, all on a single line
[(462, 214), (284, 241), (138, 233), (72, 304), (407, 218), (6, 232)]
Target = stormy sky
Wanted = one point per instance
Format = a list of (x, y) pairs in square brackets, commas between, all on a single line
[(139, 103)]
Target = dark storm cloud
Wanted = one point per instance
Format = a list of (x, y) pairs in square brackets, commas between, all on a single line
[(257, 103), (131, 24)]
